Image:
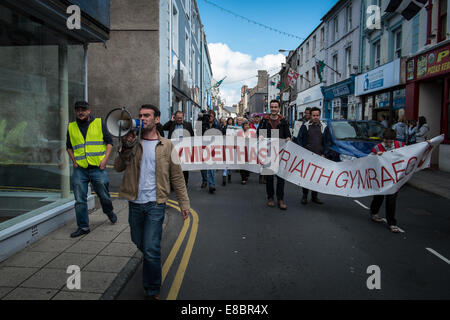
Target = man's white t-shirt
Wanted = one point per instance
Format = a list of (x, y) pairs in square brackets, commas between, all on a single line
[(147, 177)]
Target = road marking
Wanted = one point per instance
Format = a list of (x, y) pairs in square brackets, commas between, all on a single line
[(173, 253), (438, 255), (362, 205), (176, 284)]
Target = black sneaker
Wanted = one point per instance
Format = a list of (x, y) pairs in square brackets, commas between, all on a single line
[(79, 232), (212, 190), (112, 217), (204, 185), (224, 181)]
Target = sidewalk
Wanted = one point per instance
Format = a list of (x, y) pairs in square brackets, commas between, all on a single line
[(433, 181), (106, 257)]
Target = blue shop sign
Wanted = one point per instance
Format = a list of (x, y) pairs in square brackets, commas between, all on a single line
[(344, 88)]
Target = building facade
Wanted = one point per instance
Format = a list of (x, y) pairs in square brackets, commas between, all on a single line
[(43, 72), (165, 59), (342, 42)]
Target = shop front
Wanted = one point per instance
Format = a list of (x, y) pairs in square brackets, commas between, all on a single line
[(340, 101), (43, 72), (427, 95), (309, 98), (382, 92)]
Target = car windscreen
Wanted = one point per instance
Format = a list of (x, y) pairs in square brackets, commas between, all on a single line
[(357, 130)]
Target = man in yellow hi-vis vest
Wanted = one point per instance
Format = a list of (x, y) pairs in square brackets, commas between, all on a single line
[(89, 145)]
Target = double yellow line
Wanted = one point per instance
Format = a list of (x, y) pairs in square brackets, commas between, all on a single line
[(179, 276), (176, 284)]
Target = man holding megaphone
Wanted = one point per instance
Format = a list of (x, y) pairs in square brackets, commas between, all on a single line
[(89, 145), (149, 171)]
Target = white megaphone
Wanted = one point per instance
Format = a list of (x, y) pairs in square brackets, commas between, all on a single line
[(119, 122)]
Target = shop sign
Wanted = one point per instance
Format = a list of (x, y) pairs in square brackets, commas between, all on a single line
[(430, 64), (381, 78)]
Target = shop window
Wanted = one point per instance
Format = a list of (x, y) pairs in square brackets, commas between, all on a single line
[(34, 114)]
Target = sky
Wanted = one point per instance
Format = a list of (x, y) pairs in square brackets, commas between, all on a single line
[(238, 49)]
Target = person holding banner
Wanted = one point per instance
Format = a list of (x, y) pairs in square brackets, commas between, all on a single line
[(314, 136), (210, 127), (246, 132), (389, 143), (275, 121), (178, 128)]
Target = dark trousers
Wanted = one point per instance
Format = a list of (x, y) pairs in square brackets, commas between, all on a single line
[(391, 202), (186, 176), (270, 189), (314, 194), (244, 175)]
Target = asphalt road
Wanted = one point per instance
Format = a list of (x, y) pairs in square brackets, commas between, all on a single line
[(244, 250)]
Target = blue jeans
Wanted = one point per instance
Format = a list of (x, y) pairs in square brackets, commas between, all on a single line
[(208, 176), (100, 182), (146, 222)]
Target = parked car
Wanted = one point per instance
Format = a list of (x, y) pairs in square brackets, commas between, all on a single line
[(353, 138)]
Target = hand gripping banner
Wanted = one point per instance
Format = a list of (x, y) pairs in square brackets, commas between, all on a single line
[(368, 176)]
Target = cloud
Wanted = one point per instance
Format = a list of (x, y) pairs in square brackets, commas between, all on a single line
[(239, 68)]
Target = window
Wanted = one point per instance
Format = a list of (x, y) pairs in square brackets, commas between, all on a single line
[(175, 31), (301, 82), (349, 17), (322, 38), (348, 62), (313, 79), (307, 52), (335, 67), (187, 50), (442, 20), (376, 52), (314, 46), (301, 56), (397, 43), (307, 79), (336, 29)]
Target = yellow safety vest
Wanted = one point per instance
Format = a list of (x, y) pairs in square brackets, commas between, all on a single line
[(93, 150)]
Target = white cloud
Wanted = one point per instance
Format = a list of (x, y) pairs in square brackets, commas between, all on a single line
[(239, 68)]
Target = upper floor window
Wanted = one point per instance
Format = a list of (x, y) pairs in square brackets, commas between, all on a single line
[(307, 52), (301, 56), (175, 31), (349, 17), (348, 62), (314, 46), (336, 29), (376, 54), (322, 38), (397, 43), (442, 20)]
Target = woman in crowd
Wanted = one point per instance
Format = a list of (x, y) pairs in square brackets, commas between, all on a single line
[(401, 128), (246, 133), (420, 132)]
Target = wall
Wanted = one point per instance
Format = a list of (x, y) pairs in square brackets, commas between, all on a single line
[(126, 72), (430, 104)]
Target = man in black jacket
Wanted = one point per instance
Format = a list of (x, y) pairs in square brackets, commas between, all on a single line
[(314, 136), (176, 127), (275, 120)]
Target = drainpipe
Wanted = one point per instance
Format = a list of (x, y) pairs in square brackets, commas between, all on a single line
[(64, 118), (86, 96)]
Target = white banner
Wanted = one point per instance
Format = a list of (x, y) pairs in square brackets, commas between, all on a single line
[(362, 177)]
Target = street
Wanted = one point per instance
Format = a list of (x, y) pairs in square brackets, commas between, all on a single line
[(246, 250)]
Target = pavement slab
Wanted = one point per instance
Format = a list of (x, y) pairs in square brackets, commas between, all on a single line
[(94, 282), (119, 250), (63, 295), (87, 247), (107, 264), (30, 294), (52, 245), (30, 259), (67, 259), (14, 276), (47, 279)]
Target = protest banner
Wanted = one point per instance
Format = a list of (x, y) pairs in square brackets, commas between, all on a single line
[(368, 176)]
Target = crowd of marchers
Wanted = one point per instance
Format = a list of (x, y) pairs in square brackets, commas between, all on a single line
[(150, 174)]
